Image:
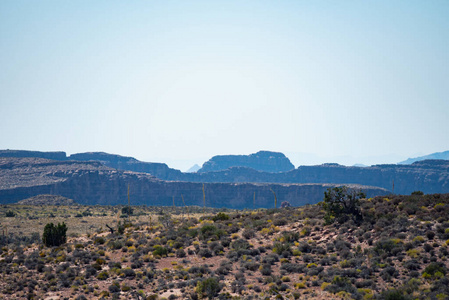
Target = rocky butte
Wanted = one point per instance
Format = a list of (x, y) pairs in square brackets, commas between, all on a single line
[(264, 161)]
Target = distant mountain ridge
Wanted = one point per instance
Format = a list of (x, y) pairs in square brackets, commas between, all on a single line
[(193, 169), (264, 161), (429, 176), (437, 155)]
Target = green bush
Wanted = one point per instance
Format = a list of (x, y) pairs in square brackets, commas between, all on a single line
[(434, 270), (220, 217), (393, 294), (54, 235), (209, 287), (159, 250), (281, 248)]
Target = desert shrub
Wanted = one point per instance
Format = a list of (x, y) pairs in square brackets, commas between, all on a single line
[(180, 253), (203, 269), (270, 258), (427, 247), (434, 270), (412, 265), (251, 265), (90, 271), (115, 244), (192, 232), (136, 264), (220, 217), (128, 272), (159, 250), (215, 247), (114, 288), (388, 272), (265, 269), (240, 244), (304, 247), (204, 252), (293, 268), (340, 284), (127, 210), (103, 275), (54, 235), (86, 213), (430, 235), (210, 231), (225, 267), (10, 214), (99, 240), (282, 249), (290, 236), (225, 241), (387, 246), (114, 264), (393, 294), (248, 233)]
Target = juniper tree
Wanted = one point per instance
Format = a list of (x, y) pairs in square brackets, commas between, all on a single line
[(342, 204)]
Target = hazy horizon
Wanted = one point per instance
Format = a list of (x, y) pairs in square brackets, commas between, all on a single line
[(181, 81)]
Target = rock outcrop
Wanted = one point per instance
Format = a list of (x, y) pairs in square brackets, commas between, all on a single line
[(128, 163), (93, 183), (265, 161), (429, 176)]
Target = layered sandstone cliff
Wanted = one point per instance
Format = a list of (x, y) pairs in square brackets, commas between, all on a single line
[(93, 183)]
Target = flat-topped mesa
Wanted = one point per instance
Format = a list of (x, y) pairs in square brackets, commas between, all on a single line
[(265, 161), (119, 162), (92, 183), (55, 155)]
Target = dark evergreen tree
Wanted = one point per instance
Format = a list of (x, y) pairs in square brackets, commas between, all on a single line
[(342, 204), (54, 235)]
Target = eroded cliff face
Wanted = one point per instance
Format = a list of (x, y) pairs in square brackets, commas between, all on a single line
[(130, 164), (429, 176), (92, 183)]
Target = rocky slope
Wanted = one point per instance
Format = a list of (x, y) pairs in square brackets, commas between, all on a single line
[(47, 200), (265, 161), (398, 249), (93, 183)]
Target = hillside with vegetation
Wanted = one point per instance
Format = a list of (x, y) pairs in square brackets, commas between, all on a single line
[(345, 247)]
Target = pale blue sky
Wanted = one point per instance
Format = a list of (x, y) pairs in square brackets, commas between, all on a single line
[(181, 81)]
